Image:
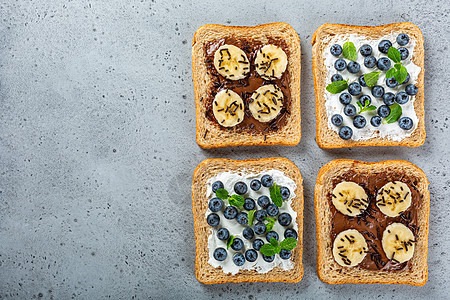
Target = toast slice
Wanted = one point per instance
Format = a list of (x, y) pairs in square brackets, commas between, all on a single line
[(327, 136), (285, 130), (210, 168), (414, 271)]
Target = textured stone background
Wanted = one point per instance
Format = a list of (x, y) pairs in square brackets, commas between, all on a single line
[(97, 146)]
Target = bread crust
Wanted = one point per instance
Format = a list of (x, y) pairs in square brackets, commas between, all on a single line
[(210, 135), (209, 168), (328, 269), (327, 138)]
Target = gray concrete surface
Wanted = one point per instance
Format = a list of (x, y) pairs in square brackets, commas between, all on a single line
[(97, 146)]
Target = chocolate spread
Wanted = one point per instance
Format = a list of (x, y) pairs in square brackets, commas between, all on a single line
[(245, 87), (372, 222)]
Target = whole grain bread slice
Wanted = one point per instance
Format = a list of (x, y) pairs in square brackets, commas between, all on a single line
[(210, 134), (209, 168), (326, 137), (331, 272)]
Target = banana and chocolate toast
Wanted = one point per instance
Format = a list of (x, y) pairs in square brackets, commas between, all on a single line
[(372, 222), (247, 85), (248, 219)]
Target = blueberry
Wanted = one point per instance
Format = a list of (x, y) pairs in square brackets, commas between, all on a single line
[(272, 210), (220, 254), (378, 91), (402, 39), (389, 98), (257, 244), (406, 80), (336, 120), (370, 62), (249, 204), (402, 98), (241, 218), (285, 254), (336, 77), (268, 258), (336, 50), (251, 255), (284, 219), (405, 123), (353, 67), (213, 219), (384, 64), (285, 192), (384, 46), (267, 180), (345, 132), (383, 111), (240, 188), (230, 212), (263, 201), (350, 110), (404, 53), (345, 98), (223, 234), (354, 89), (237, 244), (290, 233), (217, 185), (359, 121), (248, 233), (365, 50), (271, 234), (340, 64), (411, 89), (362, 81), (375, 121), (260, 215), (391, 82), (259, 228), (239, 259), (255, 184), (365, 99), (215, 204)]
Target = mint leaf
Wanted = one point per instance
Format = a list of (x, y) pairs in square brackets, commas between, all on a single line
[(236, 200), (251, 216), (268, 250), (366, 107), (396, 112), (398, 66), (288, 244), (222, 194), (275, 195), (371, 78), (359, 105), (274, 242), (391, 72), (337, 86), (269, 225), (230, 241), (394, 54), (401, 74), (349, 51)]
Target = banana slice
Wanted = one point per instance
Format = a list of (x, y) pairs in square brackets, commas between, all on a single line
[(349, 198), (393, 198), (266, 102), (228, 108), (398, 242), (270, 62), (231, 62), (349, 248)]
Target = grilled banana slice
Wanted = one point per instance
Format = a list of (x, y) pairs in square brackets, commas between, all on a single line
[(228, 108), (349, 198), (270, 62), (393, 198), (231, 62), (398, 242), (349, 248), (266, 102)]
